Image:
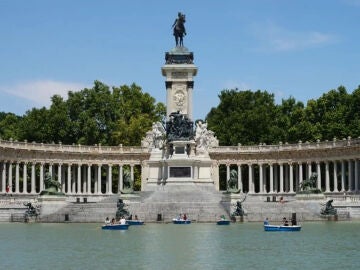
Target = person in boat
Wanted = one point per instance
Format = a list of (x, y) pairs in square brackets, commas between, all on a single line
[(113, 221), (107, 221), (266, 221), (184, 217), (122, 220), (293, 222), (285, 222), (178, 217), (136, 217), (222, 217)]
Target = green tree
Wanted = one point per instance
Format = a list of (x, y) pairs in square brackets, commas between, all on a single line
[(9, 126), (244, 117)]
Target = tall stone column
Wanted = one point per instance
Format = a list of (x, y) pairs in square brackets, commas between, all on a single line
[(343, 176), (309, 170), (350, 178), (121, 178), (41, 172), (69, 178), (261, 178), (17, 179), (89, 179), (78, 191), (110, 179), (227, 174), (25, 178), (10, 176), (318, 171), (356, 175), (327, 177), (132, 173), (276, 178), (51, 169), (251, 179), (99, 178), (335, 176), (33, 187), (215, 168), (291, 178), (271, 171), (300, 173), (60, 175), (73, 182), (83, 179), (3, 177), (240, 183), (281, 166)]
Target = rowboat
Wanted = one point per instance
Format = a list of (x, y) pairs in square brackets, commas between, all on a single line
[(281, 228), (223, 222), (181, 221), (135, 222), (115, 227)]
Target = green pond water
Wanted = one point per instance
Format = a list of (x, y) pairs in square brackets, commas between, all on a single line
[(320, 245)]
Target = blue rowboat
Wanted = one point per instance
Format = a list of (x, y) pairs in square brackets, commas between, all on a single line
[(181, 221), (115, 227), (135, 222), (281, 228), (223, 222)]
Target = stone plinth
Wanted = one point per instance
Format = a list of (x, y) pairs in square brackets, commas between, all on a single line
[(51, 204)]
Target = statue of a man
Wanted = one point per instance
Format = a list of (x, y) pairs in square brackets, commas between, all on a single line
[(179, 29)]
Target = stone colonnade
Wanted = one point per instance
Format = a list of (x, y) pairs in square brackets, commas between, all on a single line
[(28, 177), (81, 170), (286, 177)]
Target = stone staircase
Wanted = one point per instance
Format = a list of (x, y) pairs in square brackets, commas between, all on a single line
[(200, 202)]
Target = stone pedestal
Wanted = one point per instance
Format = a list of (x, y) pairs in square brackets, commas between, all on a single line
[(51, 204)]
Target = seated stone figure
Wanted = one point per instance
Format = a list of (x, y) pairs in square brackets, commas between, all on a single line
[(52, 187), (328, 209)]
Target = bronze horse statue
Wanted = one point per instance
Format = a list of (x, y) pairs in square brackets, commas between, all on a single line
[(179, 29)]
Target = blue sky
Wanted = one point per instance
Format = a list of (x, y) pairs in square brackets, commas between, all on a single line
[(298, 48)]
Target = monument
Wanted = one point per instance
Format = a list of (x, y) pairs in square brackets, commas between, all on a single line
[(178, 151)]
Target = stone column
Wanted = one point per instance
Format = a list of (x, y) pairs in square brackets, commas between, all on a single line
[(318, 171), (59, 173), (276, 179), (3, 178), (286, 178), (83, 179), (78, 191), (168, 85), (215, 175), (89, 179), (356, 175), (25, 178), (51, 169), (281, 177), (110, 179), (251, 179), (327, 177), (240, 184), (350, 175), (227, 174), (335, 177), (33, 188), (73, 182), (69, 178), (41, 188), (17, 180), (291, 178), (261, 178), (10, 176), (99, 178), (300, 174), (121, 179), (309, 170), (132, 173), (271, 170), (342, 175)]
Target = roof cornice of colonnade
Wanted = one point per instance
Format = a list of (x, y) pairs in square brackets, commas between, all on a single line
[(344, 149), (60, 153)]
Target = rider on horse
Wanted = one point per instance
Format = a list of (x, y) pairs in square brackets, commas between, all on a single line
[(179, 29)]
